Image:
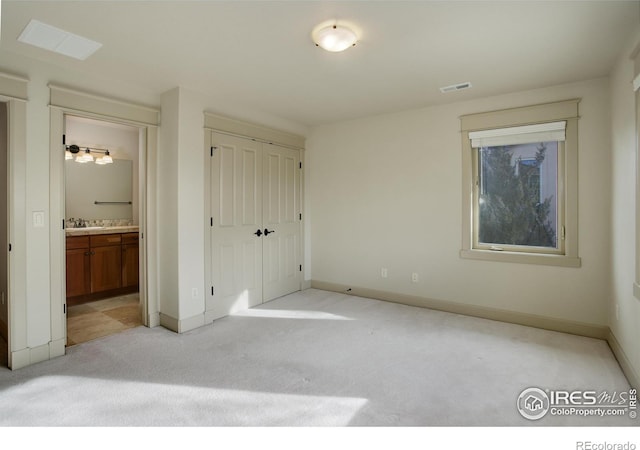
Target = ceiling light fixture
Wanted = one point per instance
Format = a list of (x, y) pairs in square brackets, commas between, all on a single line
[(334, 37)]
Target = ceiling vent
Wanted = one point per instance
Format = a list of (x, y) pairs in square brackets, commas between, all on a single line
[(56, 40), (455, 87)]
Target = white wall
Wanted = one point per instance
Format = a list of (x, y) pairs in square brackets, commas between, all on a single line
[(168, 206), (37, 199), (191, 204), (177, 179), (181, 206), (385, 191), (624, 307), (121, 140), (3, 222)]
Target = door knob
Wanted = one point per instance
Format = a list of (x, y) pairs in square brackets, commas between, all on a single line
[(268, 232), (259, 233)]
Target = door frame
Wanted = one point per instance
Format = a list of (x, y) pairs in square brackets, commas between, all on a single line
[(69, 102), (221, 124), (13, 92)]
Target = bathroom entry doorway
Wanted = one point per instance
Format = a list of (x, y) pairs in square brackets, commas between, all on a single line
[(102, 223)]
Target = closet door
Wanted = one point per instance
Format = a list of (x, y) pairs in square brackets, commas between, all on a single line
[(281, 220), (236, 206)]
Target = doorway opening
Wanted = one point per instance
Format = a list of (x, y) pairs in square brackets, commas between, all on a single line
[(103, 172)]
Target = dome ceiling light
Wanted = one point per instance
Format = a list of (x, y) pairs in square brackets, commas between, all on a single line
[(334, 37)]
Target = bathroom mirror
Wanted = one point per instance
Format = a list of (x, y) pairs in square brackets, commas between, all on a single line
[(94, 191)]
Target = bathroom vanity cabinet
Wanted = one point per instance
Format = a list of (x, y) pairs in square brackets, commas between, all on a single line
[(101, 265)]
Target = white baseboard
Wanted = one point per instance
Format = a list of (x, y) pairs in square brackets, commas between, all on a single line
[(57, 348), (191, 323), (153, 320), (170, 323), (19, 359), (565, 326), (182, 325), (623, 360), (28, 356), (531, 320)]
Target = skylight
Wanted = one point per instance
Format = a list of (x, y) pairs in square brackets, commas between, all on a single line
[(56, 40)]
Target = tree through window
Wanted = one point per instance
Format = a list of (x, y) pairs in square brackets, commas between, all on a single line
[(517, 194), (520, 184)]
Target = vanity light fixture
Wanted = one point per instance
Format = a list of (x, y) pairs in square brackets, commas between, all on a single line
[(334, 37), (106, 159), (86, 156)]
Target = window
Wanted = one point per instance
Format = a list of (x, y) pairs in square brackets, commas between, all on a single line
[(520, 185)]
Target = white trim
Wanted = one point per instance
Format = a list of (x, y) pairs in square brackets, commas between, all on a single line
[(502, 315), (623, 360), (17, 297), (168, 322), (13, 87), (184, 325), (542, 132), (563, 112), (126, 113), (240, 128), (33, 355), (636, 83), (82, 102), (191, 323), (543, 259)]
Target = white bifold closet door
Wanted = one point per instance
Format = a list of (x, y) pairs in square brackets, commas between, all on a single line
[(255, 232)]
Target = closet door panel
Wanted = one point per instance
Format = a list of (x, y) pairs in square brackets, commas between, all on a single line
[(236, 205), (281, 203)]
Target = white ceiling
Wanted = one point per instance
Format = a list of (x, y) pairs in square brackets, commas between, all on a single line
[(259, 53)]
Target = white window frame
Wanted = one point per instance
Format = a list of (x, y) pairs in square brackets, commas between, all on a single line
[(540, 116)]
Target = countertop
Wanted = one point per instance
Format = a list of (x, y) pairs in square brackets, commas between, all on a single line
[(101, 230)]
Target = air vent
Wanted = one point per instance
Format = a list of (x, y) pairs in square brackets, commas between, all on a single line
[(455, 87), (56, 40)]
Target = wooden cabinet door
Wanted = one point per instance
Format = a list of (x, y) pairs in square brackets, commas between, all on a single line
[(78, 272), (106, 268), (129, 265)]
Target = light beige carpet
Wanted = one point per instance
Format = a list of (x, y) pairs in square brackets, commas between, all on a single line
[(313, 358)]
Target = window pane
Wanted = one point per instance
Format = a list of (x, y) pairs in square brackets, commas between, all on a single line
[(518, 191)]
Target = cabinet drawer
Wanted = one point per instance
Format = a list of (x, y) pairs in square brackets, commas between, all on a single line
[(130, 238), (100, 240), (74, 242)]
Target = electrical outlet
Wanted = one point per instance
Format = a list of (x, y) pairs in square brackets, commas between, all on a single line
[(414, 277), (383, 272), (194, 292)]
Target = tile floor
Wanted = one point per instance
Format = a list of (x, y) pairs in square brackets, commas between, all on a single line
[(102, 318)]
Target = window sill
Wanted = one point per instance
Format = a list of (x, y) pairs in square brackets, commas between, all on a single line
[(522, 258)]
